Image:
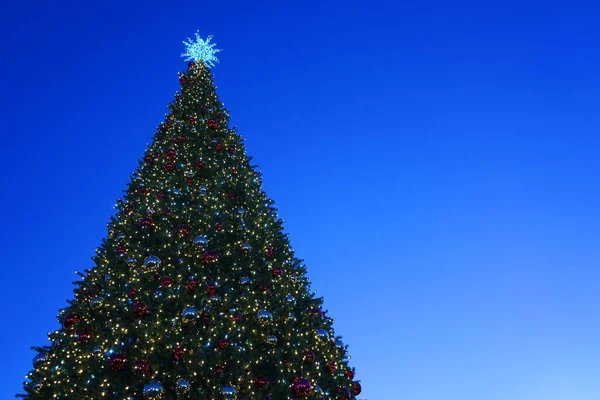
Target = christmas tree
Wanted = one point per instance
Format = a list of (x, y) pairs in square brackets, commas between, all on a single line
[(195, 293)]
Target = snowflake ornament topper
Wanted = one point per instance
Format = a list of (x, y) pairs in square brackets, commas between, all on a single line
[(200, 49)]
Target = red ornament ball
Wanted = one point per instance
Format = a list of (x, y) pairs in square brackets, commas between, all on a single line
[(148, 158), (270, 251), (84, 336), (344, 394), (349, 374), (132, 292), (224, 343), (210, 257), (121, 252), (219, 146), (140, 309), (192, 284), (356, 388), (301, 387), (146, 223), (265, 287), (71, 320), (218, 369), (277, 272), (331, 366), (219, 226), (316, 313), (200, 165), (261, 382), (211, 123), (182, 80), (183, 230), (211, 290), (192, 120), (310, 356), (191, 64), (118, 362), (166, 281), (237, 317), (232, 150), (183, 139), (142, 367), (171, 154), (178, 353), (169, 166)]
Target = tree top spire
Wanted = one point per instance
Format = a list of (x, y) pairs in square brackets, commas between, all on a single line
[(199, 49)]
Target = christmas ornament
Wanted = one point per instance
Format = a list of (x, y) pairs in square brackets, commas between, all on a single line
[(349, 374), (316, 313), (153, 391), (178, 353), (245, 280), (121, 252), (272, 340), (84, 336), (261, 382), (247, 246), (201, 241), (182, 80), (118, 362), (211, 123), (152, 263), (203, 190), (39, 359), (224, 343), (183, 230), (142, 367), (211, 290), (291, 318), (189, 314), (192, 284), (344, 394), (96, 303), (131, 261), (171, 154), (237, 317), (277, 272), (309, 356), (146, 223), (140, 309), (301, 387), (331, 366), (70, 321), (356, 388), (182, 387), (169, 166), (232, 150), (191, 64), (322, 335), (264, 317), (166, 281), (229, 392), (209, 257), (218, 369), (132, 292)]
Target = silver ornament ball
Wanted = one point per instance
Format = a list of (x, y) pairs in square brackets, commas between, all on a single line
[(229, 392), (265, 316), (152, 262), (153, 391), (39, 359), (182, 386), (189, 314), (322, 334), (201, 241)]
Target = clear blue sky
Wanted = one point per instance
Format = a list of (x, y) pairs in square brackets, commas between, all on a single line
[(436, 164)]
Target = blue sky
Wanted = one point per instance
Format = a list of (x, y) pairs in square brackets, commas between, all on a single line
[(436, 164)]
